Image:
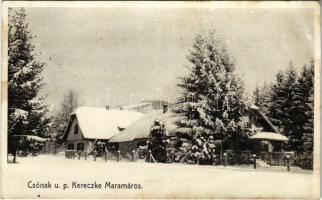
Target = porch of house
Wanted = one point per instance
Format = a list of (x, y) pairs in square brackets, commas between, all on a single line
[(266, 148)]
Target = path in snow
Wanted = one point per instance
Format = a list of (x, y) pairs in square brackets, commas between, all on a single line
[(158, 180)]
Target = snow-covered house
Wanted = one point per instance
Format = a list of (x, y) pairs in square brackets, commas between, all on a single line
[(264, 134), (89, 124)]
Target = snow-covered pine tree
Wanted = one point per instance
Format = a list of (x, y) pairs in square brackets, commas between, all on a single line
[(283, 112), (257, 96), (278, 97), (212, 101), (157, 142), (305, 107), (292, 118), (262, 97), (26, 112), (291, 110)]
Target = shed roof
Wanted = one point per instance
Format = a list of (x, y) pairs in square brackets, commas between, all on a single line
[(100, 123), (141, 127)]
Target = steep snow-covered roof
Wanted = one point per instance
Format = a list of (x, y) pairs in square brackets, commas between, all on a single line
[(276, 135), (255, 108), (141, 127), (100, 123)]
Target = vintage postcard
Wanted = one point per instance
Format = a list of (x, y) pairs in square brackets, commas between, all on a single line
[(160, 100)]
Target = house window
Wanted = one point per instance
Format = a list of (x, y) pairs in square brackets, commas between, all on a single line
[(80, 146), (70, 146), (76, 129)]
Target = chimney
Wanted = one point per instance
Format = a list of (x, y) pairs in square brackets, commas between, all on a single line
[(107, 103), (165, 108)]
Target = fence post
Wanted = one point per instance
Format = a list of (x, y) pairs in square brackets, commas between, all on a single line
[(150, 156), (79, 155), (221, 158), (94, 156), (133, 156), (85, 155), (225, 159), (198, 159), (105, 156), (14, 156), (118, 155), (254, 157), (214, 161), (171, 156), (55, 148), (288, 162), (248, 158)]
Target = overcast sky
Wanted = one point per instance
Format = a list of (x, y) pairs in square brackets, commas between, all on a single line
[(134, 51)]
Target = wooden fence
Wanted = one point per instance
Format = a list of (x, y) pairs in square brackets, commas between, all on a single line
[(111, 155), (278, 158), (229, 157)]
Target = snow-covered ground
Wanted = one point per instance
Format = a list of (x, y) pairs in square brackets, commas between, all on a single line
[(157, 180)]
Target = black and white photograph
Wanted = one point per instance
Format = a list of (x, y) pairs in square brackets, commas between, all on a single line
[(160, 100)]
